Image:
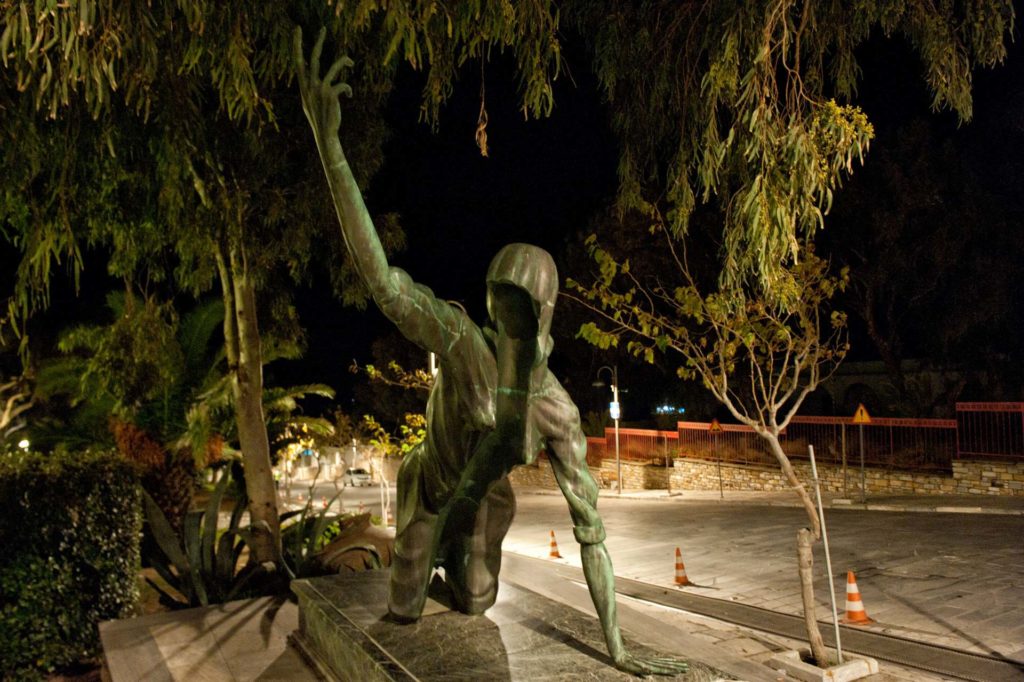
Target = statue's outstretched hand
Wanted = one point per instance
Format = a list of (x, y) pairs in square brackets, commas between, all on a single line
[(320, 96), (639, 665)]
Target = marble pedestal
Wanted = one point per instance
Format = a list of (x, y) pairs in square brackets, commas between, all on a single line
[(343, 627)]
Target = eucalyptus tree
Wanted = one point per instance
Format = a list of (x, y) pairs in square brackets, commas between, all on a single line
[(751, 104), (163, 132), (148, 127)]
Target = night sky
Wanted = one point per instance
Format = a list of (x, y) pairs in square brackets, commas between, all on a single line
[(545, 180)]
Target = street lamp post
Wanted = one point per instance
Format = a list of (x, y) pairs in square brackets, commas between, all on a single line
[(616, 411)]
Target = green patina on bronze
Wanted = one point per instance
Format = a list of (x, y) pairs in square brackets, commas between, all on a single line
[(494, 405)]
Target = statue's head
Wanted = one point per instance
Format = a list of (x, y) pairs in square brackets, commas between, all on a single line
[(522, 286)]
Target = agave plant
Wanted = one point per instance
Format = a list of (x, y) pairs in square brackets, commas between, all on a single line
[(316, 541), (202, 564)]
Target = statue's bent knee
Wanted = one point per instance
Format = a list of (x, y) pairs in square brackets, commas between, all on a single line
[(476, 603), (411, 568)]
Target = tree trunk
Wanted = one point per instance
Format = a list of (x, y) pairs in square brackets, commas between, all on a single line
[(805, 560), (805, 539), (242, 343)]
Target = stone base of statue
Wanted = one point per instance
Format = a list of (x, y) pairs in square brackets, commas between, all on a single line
[(345, 631)]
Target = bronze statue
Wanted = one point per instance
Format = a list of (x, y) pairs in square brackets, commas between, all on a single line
[(494, 405)]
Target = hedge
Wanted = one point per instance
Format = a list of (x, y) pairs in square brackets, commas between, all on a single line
[(69, 556)]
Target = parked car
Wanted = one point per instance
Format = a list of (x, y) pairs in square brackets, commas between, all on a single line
[(356, 477)]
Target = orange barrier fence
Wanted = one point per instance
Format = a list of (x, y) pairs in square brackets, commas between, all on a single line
[(980, 431), (888, 443), (636, 444)]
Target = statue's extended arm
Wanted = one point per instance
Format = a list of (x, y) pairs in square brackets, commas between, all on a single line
[(420, 316), (569, 463), (320, 102)]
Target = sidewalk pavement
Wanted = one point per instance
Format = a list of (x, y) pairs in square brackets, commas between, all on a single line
[(247, 640), (947, 504), (951, 577)]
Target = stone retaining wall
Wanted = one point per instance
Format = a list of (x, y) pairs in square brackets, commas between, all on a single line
[(540, 475), (969, 477), (638, 475), (989, 478)]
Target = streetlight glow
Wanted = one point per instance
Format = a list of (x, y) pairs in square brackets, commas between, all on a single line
[(615, 411)]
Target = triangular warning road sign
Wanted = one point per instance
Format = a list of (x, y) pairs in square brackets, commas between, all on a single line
[(715, 427), (861, 416)]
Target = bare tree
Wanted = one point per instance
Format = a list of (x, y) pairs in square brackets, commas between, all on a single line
[(760, 358)]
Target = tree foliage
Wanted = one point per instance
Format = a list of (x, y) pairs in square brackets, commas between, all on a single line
[(396, 389), (146, 365), (186, 113), (410, 433), (759, 359), (745, 101), (194, 99), (749, 102)]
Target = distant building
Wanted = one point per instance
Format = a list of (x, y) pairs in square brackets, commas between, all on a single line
[(929, 390)]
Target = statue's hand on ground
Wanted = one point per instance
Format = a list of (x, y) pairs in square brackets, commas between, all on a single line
[(320, 96), (639, 665)]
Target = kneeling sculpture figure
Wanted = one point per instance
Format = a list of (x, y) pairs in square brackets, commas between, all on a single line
[(494, 405)]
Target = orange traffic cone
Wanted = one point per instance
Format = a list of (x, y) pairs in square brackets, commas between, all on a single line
[(391, 517), (323, 501), (553, 554), (681, 578), (855, 613), (300, 497)]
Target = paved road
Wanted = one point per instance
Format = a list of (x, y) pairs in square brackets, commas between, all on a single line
[(951, 579), (349, 498)]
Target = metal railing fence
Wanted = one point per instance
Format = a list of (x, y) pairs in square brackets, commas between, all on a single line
[(990, 430), (980, 431), (889, 443)]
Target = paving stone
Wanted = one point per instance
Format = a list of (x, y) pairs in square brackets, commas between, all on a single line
[(744, 646)]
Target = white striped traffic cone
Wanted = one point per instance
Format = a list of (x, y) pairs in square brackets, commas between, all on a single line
[(553, 553), (855, 613), (681, 578)]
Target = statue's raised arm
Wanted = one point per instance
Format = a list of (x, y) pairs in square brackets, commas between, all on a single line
[(320, 102), (419, 315)]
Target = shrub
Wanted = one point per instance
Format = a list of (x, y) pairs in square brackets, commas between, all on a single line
[(201, 564), (69, 534)]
